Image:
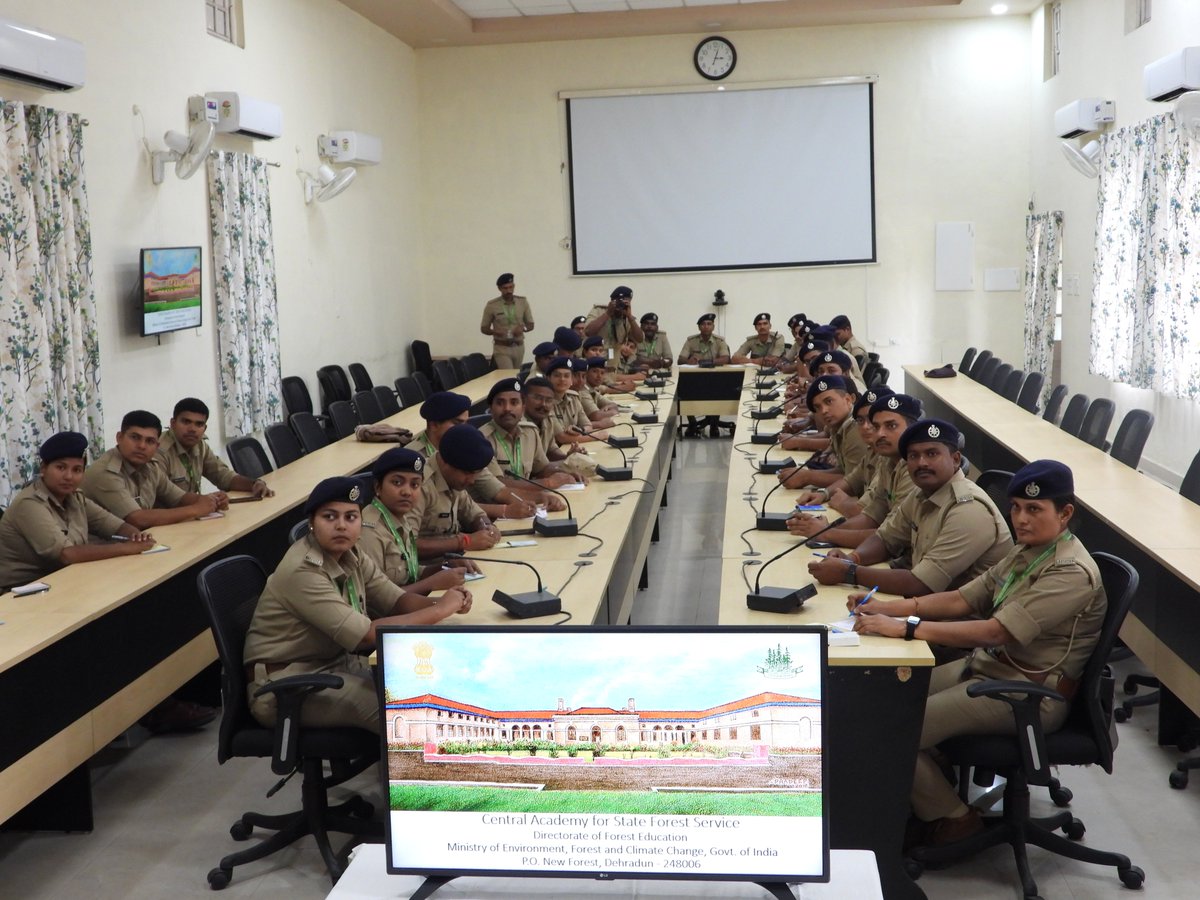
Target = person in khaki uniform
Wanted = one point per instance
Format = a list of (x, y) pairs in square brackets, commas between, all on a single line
[(764, 347), (595, 384), (600, 418), (518, 448), (844, 335), (506, 319), (943, 535), (450, 521), (319, 610), (704, 349), (572, 426), (653, 351), (126, 483), (789, 359), (831, 401), (1035, 616), (49, 522), (614, 322), (539, 404), (185, 455)]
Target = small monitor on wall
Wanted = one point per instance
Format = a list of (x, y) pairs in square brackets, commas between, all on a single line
[(171, 289)]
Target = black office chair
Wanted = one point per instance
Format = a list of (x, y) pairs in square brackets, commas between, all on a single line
[(423, 383), (283, 444), (480, 420), (999, 376), (386, 398), (409, 391), (444, 376), (334, 386), (987, 371), (367, 407), (1054, 404), (477, 365), (1031, 392), (1072, 419), (879, 376), (247, 457), (1190, 488), (523, 372), (869, 371), (1131, 437), (362, 381), (1011, 389), (297, 531), (344, 419), (308, 431), (230, 590), (460, 369), (968, 358), (995, 484), (1094, 429), (977, 366), (1027, 757), (296, 397), (422, 358)]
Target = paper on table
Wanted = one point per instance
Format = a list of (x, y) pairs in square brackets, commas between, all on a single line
[(573, 486), (34, 587), (842, 626), (157, 548), (212, 515)]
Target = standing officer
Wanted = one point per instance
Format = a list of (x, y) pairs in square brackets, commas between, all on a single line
[(506, 318), (764, 347), (615, 322)]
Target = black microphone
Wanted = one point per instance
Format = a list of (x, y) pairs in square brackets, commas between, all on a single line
[(781, 599), (772, 468), (650, 418), (542, 525), (771, 412), (628, 442), (527, 605), (776, 521)]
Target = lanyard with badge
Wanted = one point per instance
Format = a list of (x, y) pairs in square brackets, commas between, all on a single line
[(408, 548), (193, 481), (1014, 578), (351, 594), (513, 450)]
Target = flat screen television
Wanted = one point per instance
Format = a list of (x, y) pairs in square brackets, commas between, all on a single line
[(171, 299), (605, 752)]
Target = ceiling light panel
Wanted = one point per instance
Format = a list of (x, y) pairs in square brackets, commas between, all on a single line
[(492, 9)]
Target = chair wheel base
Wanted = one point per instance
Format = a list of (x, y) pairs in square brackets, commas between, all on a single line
[(1121, 714), (1061, 797), (1075, 830), (1178, 780), (241, 831), (913, 869), (218, 879), (1133, 877)]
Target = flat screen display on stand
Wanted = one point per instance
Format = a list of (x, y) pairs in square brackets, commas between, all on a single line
[(605, 752), (170, 295)]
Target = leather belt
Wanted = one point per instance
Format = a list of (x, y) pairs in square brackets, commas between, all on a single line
[(504, 343), (1064, 684)]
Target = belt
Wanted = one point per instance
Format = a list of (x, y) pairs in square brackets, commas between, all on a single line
[(504, 343), (1065, 684), (271, 667)]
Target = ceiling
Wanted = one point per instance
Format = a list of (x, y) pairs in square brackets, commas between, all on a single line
[(443, 23)]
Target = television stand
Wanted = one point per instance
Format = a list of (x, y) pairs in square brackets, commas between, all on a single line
[(777, 889)]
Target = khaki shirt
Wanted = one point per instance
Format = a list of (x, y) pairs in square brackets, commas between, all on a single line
[(305, 615), (712, 349), (568, 413), (546, 434), (380, 546), (588, 402), (597, 395), (614, 332), (528, 446), (36, 528), (184, 469), (756, 347), (859, 478), (421, 444), (445, 511), (1063, 595), (121, 488), (649, 351), (848, 446), (951, 536), (856, 350), (504, 315), (888, 489)]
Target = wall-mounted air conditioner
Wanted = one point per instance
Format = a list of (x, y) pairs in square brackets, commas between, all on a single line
[(1165, 79), (352, 148), (235, 113), (40, 58), (1084, 116)]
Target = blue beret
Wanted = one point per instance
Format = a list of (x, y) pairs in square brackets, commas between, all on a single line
[(504, 279), (762, 317), (578, 320), (903, 404), (341, 489), (1044, 479), (596, 362), (824, 333), (504, 386), (561, 362), (444, 406), (650, 317), (567, 339), (813, 346), (545, 348), (594, 341), (830, 383), (64, 445), (928, 430), (839, 322), (707, 317), (620, 292), (797, 319), (831, 356), (870, 395), (465, 448), (398, 458)]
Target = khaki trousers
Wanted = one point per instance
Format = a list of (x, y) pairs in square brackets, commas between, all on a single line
[(508, 357), (355, 704)]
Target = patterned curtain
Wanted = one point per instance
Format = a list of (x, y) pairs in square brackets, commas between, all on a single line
[(1043, 233), (1146, 278), (243, 255), (50, 355)]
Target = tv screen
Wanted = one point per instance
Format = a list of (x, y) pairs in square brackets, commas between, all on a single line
[(170, 289), (606, 752)]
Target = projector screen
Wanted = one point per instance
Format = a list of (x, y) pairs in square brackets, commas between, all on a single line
[(722, 179)]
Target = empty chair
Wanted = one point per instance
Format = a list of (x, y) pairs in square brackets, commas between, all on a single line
[(422, 358), (968, 358), (879, 376), (444, 376), (477, 365), (1096, 420), (409, 391), (1190, 486), (1031, 392), (308, 431), (284, 446), (367, 407), (523, 372), (985, 373), (344, 420), (362, 381), (334, 385), (247, 457), (423, 382), (1054, 404), (1011, 388), (386, 398), (999, 376), (1131, 437), (980, 362), (460, 369), (1072, 419), (869, 371), (296, 397)]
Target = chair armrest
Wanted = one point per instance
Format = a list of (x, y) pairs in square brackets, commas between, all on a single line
[(290, 694), (1024, 698)]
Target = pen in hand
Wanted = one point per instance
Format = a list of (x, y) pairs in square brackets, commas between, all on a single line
[(866, 597)]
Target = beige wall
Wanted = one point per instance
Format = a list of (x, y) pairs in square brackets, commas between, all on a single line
[(342, 265), (951, 144)]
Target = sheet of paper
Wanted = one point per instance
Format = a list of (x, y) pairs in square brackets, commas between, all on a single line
[(34, 587), (157, 548)]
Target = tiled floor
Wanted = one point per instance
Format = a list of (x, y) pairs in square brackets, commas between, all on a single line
[(163, 809)]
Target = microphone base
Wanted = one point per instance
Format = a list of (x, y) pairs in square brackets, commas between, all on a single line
[(768, 370), (615, 473), (780, 599), (661, 373), (654, 382), (765, 384), (773, 467), (772, 521), (646, 395), (530, 604), (762, 437), (645, 418), (761, 398), (625, 443), (771, 412), (555, 527)]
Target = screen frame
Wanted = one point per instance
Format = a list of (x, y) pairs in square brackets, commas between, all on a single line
[(141, 292)]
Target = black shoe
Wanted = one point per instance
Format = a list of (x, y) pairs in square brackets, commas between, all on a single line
[(693, 431), (714, 430)]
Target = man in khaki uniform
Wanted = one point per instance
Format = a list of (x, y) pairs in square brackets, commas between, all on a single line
[(595, 384), (518, 449), (704, 349), (653, 351), (185, 455), (790, 356), (943, 535), (450, 520), (539, 403), (844, 335), (831, 401), (614, 322), (506, 319), (126, 483), (571, 423), (764, 347)]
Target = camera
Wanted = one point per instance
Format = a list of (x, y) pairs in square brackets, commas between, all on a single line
[(623, 305)]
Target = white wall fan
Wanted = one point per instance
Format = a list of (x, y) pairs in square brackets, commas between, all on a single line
[(187, 151)]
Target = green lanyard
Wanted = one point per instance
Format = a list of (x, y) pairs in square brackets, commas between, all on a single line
[(193, 481), (515, 463), (1014, 579), (409, 548), (510, 312), (430, 450), (353, 598)]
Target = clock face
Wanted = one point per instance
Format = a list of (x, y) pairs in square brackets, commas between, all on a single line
[(715, 58)]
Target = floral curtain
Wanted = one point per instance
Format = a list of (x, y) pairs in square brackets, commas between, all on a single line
[(50, 353), (1146, 277), (243, 255), (1043, 234)]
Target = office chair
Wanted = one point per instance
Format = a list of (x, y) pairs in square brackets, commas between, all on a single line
[(444, 376), (1072, 419), (477, 365), (995, 484), (422, 358), (460, 369), (283, 443), (1094, 429), (386, 398), (879, 376), (334, 386), (344, 419), (409, 391), (1131, 437), (1054, 404), (523, 372), (1011, 388), (480, 420), (1031, 392), (367, 407), (968, 358), (999, 375), (362, 381), (869, 371), (1026, 757), (230, 589), (247, 457), (980, 361), (297, 531), (295, 395), (308, 431), (1190, 488), (423, 383)]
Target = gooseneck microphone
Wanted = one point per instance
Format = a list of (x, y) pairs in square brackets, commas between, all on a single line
[(781, 599), (776, 521), (622, 472), (628, 442), (526, 605), (542, 525), (773, 467)]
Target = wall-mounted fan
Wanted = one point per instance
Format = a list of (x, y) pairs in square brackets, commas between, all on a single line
[(1083, 161), (1187, 114), (187, 151), (326, 183)]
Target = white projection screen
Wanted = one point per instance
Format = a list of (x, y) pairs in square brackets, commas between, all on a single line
[(680, 182)]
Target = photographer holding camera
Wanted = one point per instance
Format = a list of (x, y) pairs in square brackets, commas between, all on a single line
[(615, 323)]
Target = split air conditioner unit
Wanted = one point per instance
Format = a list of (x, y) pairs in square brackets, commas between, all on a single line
[(351, 148), (1165, 79), (40, 58), (235, 113), (1084, 116)]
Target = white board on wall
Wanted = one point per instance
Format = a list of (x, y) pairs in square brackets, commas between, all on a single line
[(954, 256)]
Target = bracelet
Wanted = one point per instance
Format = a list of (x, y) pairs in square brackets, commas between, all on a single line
[(851, 574), (916, 607)]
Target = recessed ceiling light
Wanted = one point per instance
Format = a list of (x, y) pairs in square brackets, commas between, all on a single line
[(999, 9), (712, 24)]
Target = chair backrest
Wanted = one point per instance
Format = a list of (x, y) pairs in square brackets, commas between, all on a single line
[(284, 446), (229, 590), (297, 531), (308, 431), (1072, 419), (1011, 388), (1190, 486), (523, 372), (334, 385), (1131, 437), (995, 484), (296, 397), (879, 376), (980, 362), (409, 391), (362, 381), (422, 357), (386, 398), (999, 375), (423, 382), (444, 376), (247, 457), (968, 358), (1031, 392), (1054, 404), (989, 368), (367, 407), (460, 369), (869, 371), (341, 413), (480, 420), (1099, 416)]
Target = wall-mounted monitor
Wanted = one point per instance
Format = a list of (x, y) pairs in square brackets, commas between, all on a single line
[(171, 289), (630, 752)]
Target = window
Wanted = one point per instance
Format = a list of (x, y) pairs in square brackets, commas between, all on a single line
[(223, 18), (1052, 40), (1137, 14), (756, 732)]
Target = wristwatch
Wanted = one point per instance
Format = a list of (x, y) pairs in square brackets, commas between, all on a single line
[(910, 627), (851, 574)]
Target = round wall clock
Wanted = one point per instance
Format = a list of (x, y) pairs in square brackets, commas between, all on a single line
[(715, 58)]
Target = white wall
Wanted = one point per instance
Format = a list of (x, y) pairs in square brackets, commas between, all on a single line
[(1099, 59), (951, 144), (347, 270)]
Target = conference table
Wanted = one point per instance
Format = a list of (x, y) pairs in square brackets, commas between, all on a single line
[(1118, 510)]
